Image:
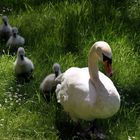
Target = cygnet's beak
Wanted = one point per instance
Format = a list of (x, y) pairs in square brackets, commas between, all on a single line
[(108, 68), (14, 34), (5, 23), (56, 73), (21, 57)]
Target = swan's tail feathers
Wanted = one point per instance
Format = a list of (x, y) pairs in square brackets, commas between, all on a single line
[(59, 78), (60, 94)]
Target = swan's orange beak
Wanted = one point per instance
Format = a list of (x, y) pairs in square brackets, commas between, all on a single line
[(108, 68)]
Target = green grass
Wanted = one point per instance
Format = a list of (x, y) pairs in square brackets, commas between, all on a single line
[(63, 31)]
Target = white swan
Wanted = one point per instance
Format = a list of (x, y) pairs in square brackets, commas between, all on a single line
[(86, 93), (5, 29), (23, 65), (49, 84), (15, 39)]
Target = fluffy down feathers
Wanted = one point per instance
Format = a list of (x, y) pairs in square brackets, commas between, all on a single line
[(5, 29), (49, 84), (23, 65), (15, 40)]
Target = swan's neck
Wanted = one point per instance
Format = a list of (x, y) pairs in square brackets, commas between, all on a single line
[(93, 65)]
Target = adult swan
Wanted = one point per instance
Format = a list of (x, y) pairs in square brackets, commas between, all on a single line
[(86, 93)]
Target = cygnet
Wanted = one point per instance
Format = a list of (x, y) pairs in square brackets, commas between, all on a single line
[(49, 84), (15, 40), (5, 29), (23, 66)]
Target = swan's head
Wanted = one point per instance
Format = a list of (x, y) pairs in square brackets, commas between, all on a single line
[(105, 54), (14, 31), (5, 20), (21, 53), (56, 69)]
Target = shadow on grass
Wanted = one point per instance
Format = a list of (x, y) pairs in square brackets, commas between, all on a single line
[(67, 129), (121, 125)]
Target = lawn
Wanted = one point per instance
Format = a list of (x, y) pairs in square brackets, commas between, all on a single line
[(63, 31)]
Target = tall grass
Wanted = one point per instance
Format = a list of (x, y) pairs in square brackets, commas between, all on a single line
[(63, 31)]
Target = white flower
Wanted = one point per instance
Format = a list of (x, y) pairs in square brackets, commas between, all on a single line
[(17, 89), (17, 101), (19, 85), (6, 100), (11, 104), (15, 96), (11, 88), (131, 138), (1, 124)]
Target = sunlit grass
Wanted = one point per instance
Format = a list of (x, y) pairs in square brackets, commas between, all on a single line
[(63, 32)]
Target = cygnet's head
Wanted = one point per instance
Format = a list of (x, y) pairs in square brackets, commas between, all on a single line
[(56, 69), (21, 53), (14, 31), (105, 54), (5, 20)]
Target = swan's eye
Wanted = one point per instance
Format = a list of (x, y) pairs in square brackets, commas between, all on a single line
[(105, 58)]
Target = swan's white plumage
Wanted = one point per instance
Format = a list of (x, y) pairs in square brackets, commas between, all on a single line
[(84, 99)]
